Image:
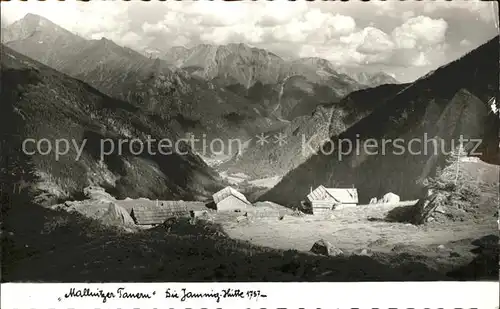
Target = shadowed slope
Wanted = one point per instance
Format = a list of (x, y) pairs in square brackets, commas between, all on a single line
[(41, 103), (448, 103), (304, 134)]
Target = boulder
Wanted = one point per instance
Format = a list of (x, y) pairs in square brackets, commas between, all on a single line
[(323, 247), (168, 223), (440, 209), (454, 254), (373, 200), (117, 215), (390, 198), (364, 252), (200, 214), (241, 219), (98, 194), (59, 207), (441, 247)]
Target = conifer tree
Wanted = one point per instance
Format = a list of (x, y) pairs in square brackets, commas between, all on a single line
[(454, 159), (452, 180)]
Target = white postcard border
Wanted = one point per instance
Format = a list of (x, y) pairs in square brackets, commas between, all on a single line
[(278, 295)]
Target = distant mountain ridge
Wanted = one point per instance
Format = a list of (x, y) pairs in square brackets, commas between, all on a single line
[(247, 65), (152, 84), (230, 64), (229, 91), (369, 79), (288, 88)]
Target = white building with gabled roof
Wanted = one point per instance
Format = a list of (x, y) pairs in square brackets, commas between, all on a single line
[(230, 199), (325, 199)]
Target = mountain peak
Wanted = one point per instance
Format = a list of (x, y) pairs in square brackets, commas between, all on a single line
[(33, 24), (34, 20), (240, 45), (107, 43), (31, 16)]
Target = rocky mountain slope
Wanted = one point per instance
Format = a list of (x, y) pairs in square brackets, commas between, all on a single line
[(287, 89), (43, 104), (447, 103), (304, 134), (358, 74), (187, 102), (229, 64), (370, 79)]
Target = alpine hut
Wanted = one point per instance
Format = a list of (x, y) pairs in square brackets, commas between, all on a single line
[(230, 199), (150, 214), (324, 199)]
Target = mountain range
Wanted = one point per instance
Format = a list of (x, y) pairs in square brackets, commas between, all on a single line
[(290, 88), (245, 65), (39, 102), (445, 105), (249, 90), (95, 89), (152, 84)]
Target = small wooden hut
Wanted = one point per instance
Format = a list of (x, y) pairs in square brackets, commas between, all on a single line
[(230, 199), (322, 199), (157, 214)]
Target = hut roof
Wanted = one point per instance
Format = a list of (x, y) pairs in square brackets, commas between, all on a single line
[(340, 195), (229, 191), (152, 214), (130, 204)]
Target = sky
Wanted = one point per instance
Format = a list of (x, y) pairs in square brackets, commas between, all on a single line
[(404, 39)]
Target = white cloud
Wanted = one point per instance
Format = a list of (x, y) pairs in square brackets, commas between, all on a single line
[(243, 33), (155, 28), (407, 15), (367, 46), (465, 43), (484, 10), (420, 30), (130, 39), (370, 40), (277, 13), (217, 13), (181, 40), (416, 42), (313, 26), (421, 60)]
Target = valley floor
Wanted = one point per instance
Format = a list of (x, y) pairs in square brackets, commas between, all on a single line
[(443, 245), (270, 245)]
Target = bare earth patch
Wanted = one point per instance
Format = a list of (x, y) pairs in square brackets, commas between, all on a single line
[(445, 245)]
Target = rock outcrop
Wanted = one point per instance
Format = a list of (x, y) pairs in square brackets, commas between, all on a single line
[(390, 198), (117, 215), (323, 247)]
